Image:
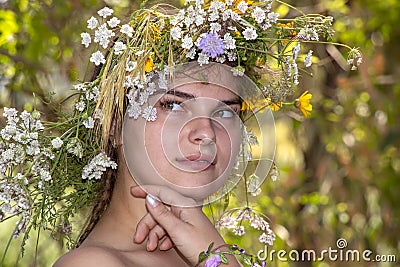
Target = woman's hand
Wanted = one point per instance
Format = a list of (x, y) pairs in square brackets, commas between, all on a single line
[(185, 227)]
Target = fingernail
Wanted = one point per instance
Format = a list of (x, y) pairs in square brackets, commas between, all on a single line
[(151, 200)]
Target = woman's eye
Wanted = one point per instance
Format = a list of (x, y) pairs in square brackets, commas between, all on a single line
[(172, 106), (225, 113)]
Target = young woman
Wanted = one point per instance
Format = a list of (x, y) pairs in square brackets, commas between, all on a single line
[(181, 158)]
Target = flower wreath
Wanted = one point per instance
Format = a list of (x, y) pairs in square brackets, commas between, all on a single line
[(51, 170)]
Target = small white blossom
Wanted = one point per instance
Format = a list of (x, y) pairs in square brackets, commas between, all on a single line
[(119, 47), (150, 113), (92, 23), (249, 34), (267, 238), (126, 29), (176, 33), (215, 27), (93, 94), (10, 114), (295, 51), (105, 12), (80, 87), (45, 175), (192, 53), (80, 106), (307, 59), (74, 147), (187, 42), (199, 20), (114, 22), (231, 55), (97, 58), (242, 6), (273, 17), (239, 230), (226, 222), (89, 123), (220, 59), (86, 39), (229, 42), (295, 73), (213, 16), (57, 142), (203, 58), (102, 35), (238, 71), (258, 15), (97, 166), (134, 110)]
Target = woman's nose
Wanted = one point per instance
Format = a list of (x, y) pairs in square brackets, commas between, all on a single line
[(201, 131)]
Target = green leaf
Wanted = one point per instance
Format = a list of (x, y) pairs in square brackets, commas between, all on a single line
[(210, 247), (202, 256), (223, 259)]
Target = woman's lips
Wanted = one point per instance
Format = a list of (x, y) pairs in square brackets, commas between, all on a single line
[(197, 162)]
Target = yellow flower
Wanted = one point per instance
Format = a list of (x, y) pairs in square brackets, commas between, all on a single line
[(276, 106), (303, 104), (149, 64)]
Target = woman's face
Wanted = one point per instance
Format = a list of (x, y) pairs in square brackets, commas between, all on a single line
[(192, 145)]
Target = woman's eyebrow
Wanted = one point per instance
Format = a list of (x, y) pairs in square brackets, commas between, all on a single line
[(190, 96), (181, 94)]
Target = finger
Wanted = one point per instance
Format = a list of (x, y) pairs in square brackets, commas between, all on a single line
[(143, 228), (163, 215), (155, 235), (166, 244)]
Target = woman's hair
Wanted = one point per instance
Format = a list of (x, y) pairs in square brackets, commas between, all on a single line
[(108, 179)]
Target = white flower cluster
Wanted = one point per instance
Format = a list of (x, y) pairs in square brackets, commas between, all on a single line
[(103, 32), (139, 93), (97, 166), (88, 93), (19, 144), (14, 201), (23, 157), (219, 18), (235, 219)]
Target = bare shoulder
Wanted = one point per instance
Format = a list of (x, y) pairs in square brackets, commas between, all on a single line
[(90, 256)]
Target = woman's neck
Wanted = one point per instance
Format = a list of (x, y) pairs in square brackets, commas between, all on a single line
[(117, 226)]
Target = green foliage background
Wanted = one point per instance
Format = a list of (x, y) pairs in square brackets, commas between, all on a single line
[(339, 170)]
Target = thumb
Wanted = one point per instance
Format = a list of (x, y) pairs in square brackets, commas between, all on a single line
[(162, 214)]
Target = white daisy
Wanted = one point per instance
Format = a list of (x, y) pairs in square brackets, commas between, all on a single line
[(258, 15), (57, 142), (105, 12), (119, 47), (187, 42), (150, 113), (176, 33), (92, 23), (249, 34), (86, 39), (113, 22), (128, 30), (97, 58)]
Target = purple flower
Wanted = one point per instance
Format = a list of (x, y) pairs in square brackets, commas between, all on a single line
[(212, 45), (213, 261)]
